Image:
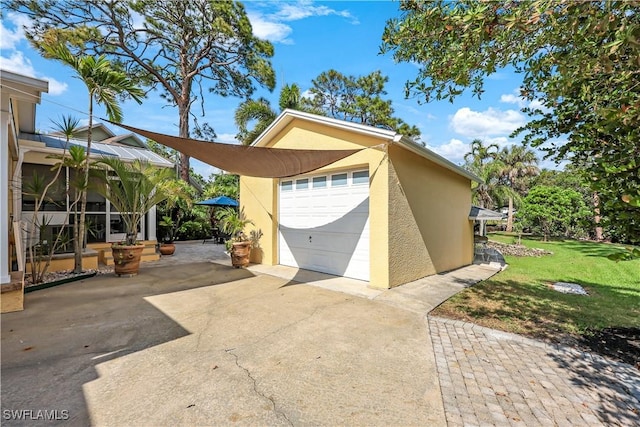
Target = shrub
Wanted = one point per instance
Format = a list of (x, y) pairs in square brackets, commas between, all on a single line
[(194, 230)]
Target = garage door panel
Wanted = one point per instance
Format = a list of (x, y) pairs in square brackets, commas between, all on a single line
[(326, 229), (343, 243)]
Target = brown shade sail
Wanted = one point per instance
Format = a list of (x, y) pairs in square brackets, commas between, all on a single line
[(248, 160)]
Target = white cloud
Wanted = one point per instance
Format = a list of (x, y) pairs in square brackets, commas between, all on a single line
[(18, 63), (10, 38), (510, 98), (515, 98), (552, 165), (227, 138), (480, 124), (275, 32), (537, 104), (272, 26), (453, 151), (302, 10), (56, 87)]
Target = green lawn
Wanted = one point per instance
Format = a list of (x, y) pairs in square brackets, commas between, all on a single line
[(520, 299)]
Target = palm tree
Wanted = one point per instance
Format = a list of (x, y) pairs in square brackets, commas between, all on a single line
[(290, 97), (261, 112), (67, 126), (480, 154), (492, 189), (481, 160), (105, 84), (518, 164), (251, 110), (139, 186)]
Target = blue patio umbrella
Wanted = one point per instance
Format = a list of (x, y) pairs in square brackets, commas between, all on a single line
[(219, 201)]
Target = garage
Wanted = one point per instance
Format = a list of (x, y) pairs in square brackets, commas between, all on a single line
[(324, 223), (389, 212)]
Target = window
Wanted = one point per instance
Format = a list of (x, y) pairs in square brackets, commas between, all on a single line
[(34, 179), (361, 177), (320, 182), (302, 184), (117, 225), (95, 202), (61, 236), (339, 180), (96, 227), (286, 185)]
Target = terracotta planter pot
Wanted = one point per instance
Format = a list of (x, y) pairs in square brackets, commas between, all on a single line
[(167, 248), (240, 254), (126, 259)]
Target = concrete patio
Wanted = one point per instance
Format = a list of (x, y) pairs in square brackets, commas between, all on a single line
[(192, 341)]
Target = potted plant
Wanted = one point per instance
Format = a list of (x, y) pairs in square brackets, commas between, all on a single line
[(167, 247), (233, 223), (172, 211), (133, 189)]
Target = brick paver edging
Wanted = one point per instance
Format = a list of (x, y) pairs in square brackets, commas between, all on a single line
[(490, 377)]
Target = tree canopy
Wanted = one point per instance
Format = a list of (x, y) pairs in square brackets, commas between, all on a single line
[(553, 211), (106, 85), (261, 115), (179, 47), (579, 59), (356, 99)]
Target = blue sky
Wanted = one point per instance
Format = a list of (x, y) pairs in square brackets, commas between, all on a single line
[(309, 38)]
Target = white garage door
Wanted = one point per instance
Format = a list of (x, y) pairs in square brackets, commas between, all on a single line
[(324, 223)]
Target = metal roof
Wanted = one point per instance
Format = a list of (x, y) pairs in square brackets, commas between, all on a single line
[(125, 153), (478, 213)]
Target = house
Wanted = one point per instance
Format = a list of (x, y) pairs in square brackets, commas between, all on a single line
[(26, 153), (18, 96), (389, 214), (99, 132)]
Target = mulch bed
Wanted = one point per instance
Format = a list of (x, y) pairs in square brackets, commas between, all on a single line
[(517, 250), (57, 276), (621, 344)]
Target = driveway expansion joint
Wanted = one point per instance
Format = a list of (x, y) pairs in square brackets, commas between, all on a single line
[(255, 386)]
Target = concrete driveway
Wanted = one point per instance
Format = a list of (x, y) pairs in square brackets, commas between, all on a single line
[(205, 344)]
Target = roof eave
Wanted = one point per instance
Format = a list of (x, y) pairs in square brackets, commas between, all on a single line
[(288, 115), (437, 158), (37, 84)]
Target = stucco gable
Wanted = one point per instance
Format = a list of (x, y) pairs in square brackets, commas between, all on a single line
[(384, 136)]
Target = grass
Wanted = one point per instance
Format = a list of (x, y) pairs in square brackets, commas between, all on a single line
[(520, 299)]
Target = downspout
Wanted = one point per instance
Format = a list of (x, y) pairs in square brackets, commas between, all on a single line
[(17, 183)]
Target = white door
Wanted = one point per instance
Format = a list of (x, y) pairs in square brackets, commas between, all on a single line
[(324, 223)]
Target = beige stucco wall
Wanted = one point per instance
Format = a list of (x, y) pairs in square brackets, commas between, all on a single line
[(417, 210), (259, 196), (258, 201), (429, 229)]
